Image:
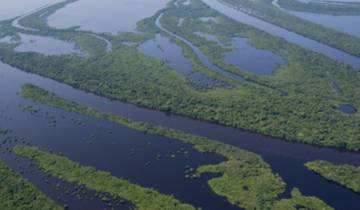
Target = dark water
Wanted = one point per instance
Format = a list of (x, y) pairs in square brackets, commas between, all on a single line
[(254, 60), (347, 108), (283, 33), (162, 48), (285, 158), (141, 158), (62, 192)]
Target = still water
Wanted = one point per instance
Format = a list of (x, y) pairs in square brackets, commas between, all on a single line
[(249, 58), (346, 24), (162, 48), (283, 33), (45, 45), (110, 16)]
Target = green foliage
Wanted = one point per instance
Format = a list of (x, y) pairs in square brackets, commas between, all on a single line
[(335, 8), (101, 181), (298, 201), (265, 10), (345, 175), (246, 180), (16, 193), (90, 44)]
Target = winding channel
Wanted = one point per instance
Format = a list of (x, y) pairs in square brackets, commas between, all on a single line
[(289, 36), (204, 60)]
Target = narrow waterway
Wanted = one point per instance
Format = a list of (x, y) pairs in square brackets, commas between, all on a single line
[(201, 56), (283, 33)]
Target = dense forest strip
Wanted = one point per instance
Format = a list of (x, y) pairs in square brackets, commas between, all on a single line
[(264, 9), (345, 175), (246, 180), (101, 181), (330, 8), (16, 193), (307, 113)]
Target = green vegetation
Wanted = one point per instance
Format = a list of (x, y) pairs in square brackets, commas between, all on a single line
[(16, 193), (246, 180), (298, 201), (63, 168), (90, 44), (298, 102), (345, 175), (331, 8), (264, 9)]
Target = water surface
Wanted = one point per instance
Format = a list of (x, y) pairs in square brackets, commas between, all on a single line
[(142, 158), (283, 33), (251, 59), (200, 55), (162, 48), (347, 108), (341, 23), (45, 45), (13, 8), (109, 16)]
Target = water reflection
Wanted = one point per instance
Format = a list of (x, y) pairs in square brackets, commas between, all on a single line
[(254, 60), (283, 33), (162, 48), (45, 45), (110, 16)]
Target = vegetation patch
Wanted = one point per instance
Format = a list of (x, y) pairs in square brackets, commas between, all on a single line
[(345, 175), (90, 44), (16, 193), (299, 201)]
